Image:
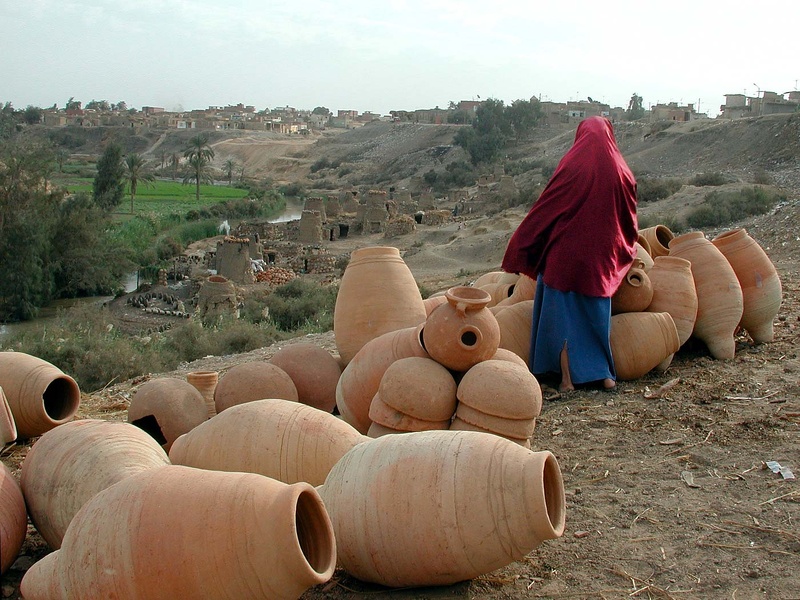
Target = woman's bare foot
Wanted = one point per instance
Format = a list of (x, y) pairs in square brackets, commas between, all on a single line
[(566, 379), (609, 384)]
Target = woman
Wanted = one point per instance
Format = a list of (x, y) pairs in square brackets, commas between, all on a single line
[(578, 241)]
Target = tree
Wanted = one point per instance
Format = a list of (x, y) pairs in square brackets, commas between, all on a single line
[(108, 186), (199, 156), (523, 116), (120, 106), (175, 162), (73, 104), (321, 110), (230, 167), (635, 108), (136, 173), (99, 105), (8, 124), (32, 115)]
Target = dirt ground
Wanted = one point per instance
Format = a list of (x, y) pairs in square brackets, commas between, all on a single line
[(668, 494)]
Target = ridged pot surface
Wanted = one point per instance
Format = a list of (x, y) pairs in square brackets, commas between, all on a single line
[(68, 465), (377, 294), (205, 382), (761, 285), (178, 532), (438, 507), (674, 292)]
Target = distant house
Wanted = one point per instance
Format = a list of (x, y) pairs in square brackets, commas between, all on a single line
[(673, 112), (766, 103)]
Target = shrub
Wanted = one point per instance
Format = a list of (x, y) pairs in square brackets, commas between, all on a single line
[(709, 179), (302, 304), (650, 190), (721, 208)]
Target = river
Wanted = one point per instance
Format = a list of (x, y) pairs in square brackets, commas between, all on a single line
[(290, 213)]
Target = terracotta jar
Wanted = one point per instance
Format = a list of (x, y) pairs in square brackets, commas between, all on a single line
[(495, 277), (719, 295), (658, 238), (635, 291), (68, 465), (460, 424), (377, 294), (383, 414), (432, 302), (503, 354), (524, 289), (166, 408), (674, 293), (479, 502), (761, 286), (205, 382), (178, 532), (515, 328), (643, 253), (40, 395), (285, 440), (253, 381), (501, 388), (362, 376), (13, 519), (498, 292), (462, 332), (314, 371), (640, 341), (8, 429), (420, 388)]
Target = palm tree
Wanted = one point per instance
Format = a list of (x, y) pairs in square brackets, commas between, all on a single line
[(136, 173), (230, 167), (174, 162), (199, 155)]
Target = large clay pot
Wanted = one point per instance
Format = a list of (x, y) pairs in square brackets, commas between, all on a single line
[(674, 293), (438, 507), (495, 277), (13, 519), (8, 429), (658, 238), (643, 253), (462, 332), (178, 532), (205, 382), (314, 371), (515, 328), (391, 418), (433, 302), (719, 295), (498, 292), (761, 286), (377, 294), (362, 376), (166, 408), (420, 388), (640, 341), (253, 381), (635, 291), (524, 289), (75, 461), (285, 440), (41, 396)]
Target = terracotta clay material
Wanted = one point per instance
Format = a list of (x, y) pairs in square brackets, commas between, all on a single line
[(8, 428), (460, 424), (499, 292), (178, 532), (495, 277), (674, 292), (40, 395), (68, 465), (253, 381), (205, 382), (420, 388), (501, 388), (13, 519), (520, 429), (285, 440), (643, 254), (383, 414), (432, 302), (640, 341), (515, 328), (508, 355), (658, 239), (635, 291), (314, 371), (524, 289)]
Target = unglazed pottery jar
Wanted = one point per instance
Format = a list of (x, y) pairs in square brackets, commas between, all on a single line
[(515, 328), (285, 440), (178, 532), (761, 286), (478, 501), (658, 239), (635, 291), (13, 519), (205, 382), (524, 289), (462, 332), (377, 294), (253, 381), (420, 388), (640, 341), (40, 395), (8, 428), (719, 295), (495, 277), (674, 293), (314, 371), (68, 465)]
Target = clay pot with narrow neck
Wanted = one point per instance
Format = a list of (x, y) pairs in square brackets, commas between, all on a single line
[(658, 239), (478, 501), (68, 465), (640, 341), (13, 519), (40, 395), (205, 382), (720, 302), (674, 292), (178, 532), (462, 332), (643, 254), (377, 294), (635, 291), (761, 285)]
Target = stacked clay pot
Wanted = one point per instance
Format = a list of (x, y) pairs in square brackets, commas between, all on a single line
[(205, 382), (499, 397), (166, 408), (495, 277), (40, 395), (658, 239), (719, 294), (524, 289), (8, 428), (432, 302), (314, 372), (377, 294), (415, 394), (13, 519), (498, 292), (635, 291), (761, 286), (643, 253), (68, 465), (439, 507), (674, 292), (361, 378), (178, 532), (515, 328), (462, 332), (284, 440), (251, 381), (640, 341)]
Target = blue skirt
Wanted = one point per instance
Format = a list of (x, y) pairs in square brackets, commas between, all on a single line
[(582, 323)]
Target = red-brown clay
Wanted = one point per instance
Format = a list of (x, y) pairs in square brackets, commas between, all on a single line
[(501, 388), (253, 381), (515, 328), (674, 292), (8, 428), (420, 388), (314, 371), (658, 239), (640, 341), (205, 382), (13, 519), (635, 291), (383, 414)]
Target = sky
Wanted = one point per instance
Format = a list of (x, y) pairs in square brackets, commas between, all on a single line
[(375, 55)]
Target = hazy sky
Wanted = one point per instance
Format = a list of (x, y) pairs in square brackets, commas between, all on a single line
[(396, 54)]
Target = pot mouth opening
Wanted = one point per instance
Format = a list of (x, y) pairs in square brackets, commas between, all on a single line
[(554, 494), (470, 337), (149, 424), (61, 398), (315, 533)]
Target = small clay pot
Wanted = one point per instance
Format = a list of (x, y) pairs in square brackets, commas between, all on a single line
[(634, 292), (658, 238), (205, 382)]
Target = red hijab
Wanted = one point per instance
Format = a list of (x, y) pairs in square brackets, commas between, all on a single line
[(580, 234)]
